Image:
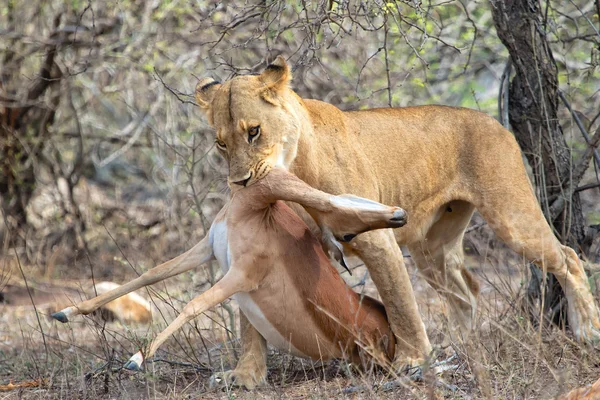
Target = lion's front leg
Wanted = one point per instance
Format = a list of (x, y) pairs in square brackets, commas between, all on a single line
[(251, 369), (383, 257)]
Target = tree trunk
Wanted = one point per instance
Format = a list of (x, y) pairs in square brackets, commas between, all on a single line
[(533, 106), (24, 122), (17, 179)]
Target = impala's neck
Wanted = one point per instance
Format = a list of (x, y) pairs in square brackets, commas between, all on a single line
[(280, 184)]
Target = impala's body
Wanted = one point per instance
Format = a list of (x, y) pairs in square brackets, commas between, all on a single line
[(300, 304), (278, 272)]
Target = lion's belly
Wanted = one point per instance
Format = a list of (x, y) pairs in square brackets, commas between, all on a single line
[(419, 223)]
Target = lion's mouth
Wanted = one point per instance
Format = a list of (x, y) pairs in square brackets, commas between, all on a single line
[(255, 174), (244, 182)]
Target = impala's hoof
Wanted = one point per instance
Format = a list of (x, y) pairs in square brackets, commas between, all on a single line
[(66, 313), (399, 218), (60, 316), (135, 362), (132, 366)]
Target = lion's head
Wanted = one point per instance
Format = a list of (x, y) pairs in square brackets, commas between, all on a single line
[(256, 128)]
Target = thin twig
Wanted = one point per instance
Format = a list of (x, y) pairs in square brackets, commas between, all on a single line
[(475, 31), (586, 18), (387, 63), (175, 92), (580, 125), (180, 364), (586, 187), (37, 315)]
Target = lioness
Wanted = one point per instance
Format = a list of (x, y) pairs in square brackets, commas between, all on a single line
[(439, 163)]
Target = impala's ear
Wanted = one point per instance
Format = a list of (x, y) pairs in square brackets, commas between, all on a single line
[(205, 91), (277, 75)]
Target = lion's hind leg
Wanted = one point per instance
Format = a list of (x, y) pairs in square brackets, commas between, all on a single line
[(520, 223), (440, 259), (583, 312)]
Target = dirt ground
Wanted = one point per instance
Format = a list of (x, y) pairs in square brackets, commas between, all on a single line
[(508, 357)]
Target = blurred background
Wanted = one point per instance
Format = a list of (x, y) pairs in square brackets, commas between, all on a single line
[(108, 168)]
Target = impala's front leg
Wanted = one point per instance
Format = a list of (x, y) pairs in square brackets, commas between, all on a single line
[(345, 215), (233, 282), (197, 255)]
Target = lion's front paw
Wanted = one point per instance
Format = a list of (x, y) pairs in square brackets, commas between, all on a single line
[(244, 378)]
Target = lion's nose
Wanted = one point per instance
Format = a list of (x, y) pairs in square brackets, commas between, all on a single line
[(244, 182)]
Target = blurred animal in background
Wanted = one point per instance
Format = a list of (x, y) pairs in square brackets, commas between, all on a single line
[(50, 297), (588, 392)]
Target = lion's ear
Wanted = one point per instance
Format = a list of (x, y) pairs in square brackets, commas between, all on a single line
[(277, 75), (205, 91)]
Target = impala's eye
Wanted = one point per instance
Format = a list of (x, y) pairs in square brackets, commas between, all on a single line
[(253, 133), (221, 144), (348, 237)]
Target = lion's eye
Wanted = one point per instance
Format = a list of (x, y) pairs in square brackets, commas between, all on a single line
[(253, 133), (221, 144)]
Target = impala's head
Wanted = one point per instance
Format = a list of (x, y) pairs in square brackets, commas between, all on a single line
[(253, 115)]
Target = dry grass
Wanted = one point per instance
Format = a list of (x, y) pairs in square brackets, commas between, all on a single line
[(507, 358)]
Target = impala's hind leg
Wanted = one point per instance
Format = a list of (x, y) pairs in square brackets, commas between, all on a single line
[(197, 255), (230, 284), (522, 226), (440, 259)]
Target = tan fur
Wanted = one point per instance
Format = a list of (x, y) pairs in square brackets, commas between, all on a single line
[(440, 163), (588, 392), (50, 297), (130, 308)]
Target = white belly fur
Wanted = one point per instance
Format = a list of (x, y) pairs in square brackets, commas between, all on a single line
[(263, 326), (218, 233)]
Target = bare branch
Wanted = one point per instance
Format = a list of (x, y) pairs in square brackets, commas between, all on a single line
[(503, 95), (175, 92), (581, 127)]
